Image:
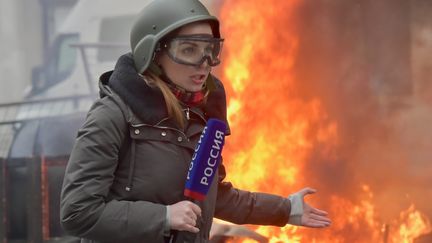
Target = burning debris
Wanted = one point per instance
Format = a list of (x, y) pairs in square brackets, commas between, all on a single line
[(313, 102)]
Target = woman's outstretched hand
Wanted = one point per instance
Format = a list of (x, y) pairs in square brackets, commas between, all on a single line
[(302, 214)]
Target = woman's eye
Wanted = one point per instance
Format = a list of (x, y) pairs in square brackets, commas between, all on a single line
[(188, 50)]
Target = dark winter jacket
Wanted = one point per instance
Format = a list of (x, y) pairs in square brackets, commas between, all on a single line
[(130, 161)]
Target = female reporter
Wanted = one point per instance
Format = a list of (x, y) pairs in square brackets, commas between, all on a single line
[(125, 178)]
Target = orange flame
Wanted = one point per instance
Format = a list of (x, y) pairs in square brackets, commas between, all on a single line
[(275, 122), (275, 130), (412, 224)]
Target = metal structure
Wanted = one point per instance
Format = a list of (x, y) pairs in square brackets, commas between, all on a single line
[(36, 139), (37, 135)]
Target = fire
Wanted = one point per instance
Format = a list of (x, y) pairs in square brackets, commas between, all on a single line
[(275, 130), (263, 142), (411, 224)]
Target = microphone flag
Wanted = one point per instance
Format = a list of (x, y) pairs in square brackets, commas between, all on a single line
[(205, 160)]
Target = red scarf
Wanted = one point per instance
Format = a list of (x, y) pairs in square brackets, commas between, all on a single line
[(188, 98)]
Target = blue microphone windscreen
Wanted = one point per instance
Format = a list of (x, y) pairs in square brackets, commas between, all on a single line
[(205, 160)]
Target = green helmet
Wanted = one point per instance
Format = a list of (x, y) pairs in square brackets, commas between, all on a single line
[(159, 18)]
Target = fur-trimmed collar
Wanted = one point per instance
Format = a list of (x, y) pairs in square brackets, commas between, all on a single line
[(147, 102)]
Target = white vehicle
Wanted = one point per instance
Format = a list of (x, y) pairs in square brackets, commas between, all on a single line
[(88, 43), (92, 37)]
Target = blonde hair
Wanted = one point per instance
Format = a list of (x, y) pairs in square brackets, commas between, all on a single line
[(173, 106)]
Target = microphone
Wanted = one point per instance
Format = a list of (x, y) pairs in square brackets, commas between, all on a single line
[(205, 160)]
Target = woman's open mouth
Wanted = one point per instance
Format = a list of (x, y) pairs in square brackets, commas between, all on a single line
[(198, 79)]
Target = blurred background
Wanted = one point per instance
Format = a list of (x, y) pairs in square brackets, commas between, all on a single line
[(332, 94)]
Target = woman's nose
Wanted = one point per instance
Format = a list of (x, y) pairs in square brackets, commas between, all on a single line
[(205, 63)]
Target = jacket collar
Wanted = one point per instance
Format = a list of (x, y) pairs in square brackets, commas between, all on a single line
[(148, 103)]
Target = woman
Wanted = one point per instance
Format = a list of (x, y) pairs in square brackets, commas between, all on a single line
[(125, 178)]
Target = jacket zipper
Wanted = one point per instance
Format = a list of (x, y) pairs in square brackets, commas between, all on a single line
[(188, 111), (187, 114)]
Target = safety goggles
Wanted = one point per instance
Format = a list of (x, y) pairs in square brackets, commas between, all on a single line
[(194, 50)]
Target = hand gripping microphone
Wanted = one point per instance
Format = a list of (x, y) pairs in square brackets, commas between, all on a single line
[(205, 160)]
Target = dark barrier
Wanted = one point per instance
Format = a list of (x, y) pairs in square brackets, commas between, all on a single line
[(31, 196), (2, 201), (36, 138)]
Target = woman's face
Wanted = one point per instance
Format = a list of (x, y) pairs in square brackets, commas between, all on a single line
[(191, 78)]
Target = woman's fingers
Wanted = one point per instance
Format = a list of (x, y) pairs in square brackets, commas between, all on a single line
[(318, 211), (313, 217), (184, 216), (192, 213), (320, 218), (192, 229), (196, 209), (307, 190), (189, 225), (315, 223), (316, 214)]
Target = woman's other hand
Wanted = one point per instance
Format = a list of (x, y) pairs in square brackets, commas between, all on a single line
[(302, 214)]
